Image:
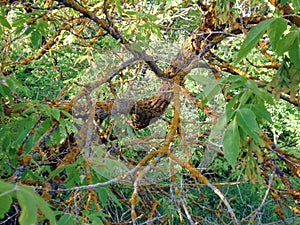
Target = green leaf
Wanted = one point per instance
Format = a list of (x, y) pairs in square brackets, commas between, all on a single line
[(282, 2), (294, 52), (285, 43), (247, 121), (275, 31), (101, 171), (44, 207), (4, 22), (294, 80), (245, 97), (71, 128), (45, 109), (55, 113), (211, 90), (201, 79), (131, 13), (231, 142), (36, 39), (156, 30), (30, 143), (95, 217), (151, 17), (5, 91), (5, 187), (296, 6), (231, 105), (14, 84), (119, 7), (115, 166), (234, 85), (67, 114), (20, 21), (18, 30), (7, 141), (6, 201), (57, 171), (20, 105), (168, 5), (26, 199), (103, 195), (136, 47), (218, 127), (67, 219), (28, 30), (42, 26), (253, 37), (266, 96), (260, 111), (115, 199), (11, 84), (24, 126)]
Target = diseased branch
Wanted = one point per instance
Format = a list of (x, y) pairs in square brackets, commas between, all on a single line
[(148, 110), (293, 164)]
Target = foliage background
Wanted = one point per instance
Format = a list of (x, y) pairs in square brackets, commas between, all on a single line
[(77, 78)]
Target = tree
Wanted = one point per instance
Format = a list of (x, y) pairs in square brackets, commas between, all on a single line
[(149, 112)]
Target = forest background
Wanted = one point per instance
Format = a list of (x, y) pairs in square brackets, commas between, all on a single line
[(149, 112)]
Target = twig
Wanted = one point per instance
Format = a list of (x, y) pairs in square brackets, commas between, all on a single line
[(86, 187), (134, 196), (226, 203), (186, 211), (255, 212), (204, 180)]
